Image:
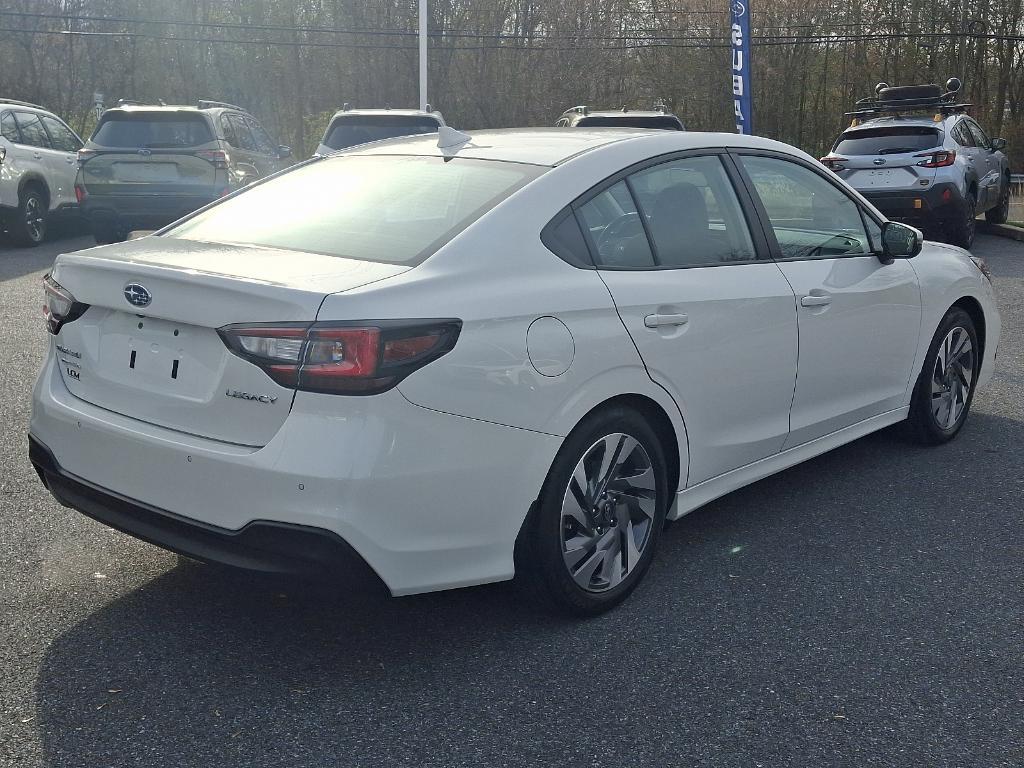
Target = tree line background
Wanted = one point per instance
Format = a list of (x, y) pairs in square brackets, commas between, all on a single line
[(513, 62)]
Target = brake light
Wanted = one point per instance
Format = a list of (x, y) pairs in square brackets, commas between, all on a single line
[(339, 358), (60, 306), (80, 193), (3, 154), (218, 157), (939, 159), (834, 162)]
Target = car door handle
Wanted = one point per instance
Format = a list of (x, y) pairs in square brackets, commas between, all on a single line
[(661, 321), (816, 300)]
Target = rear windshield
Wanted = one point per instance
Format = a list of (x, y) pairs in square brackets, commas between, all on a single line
[(359, 129), (392, 209), (664, 123), (887, 141), (152, 130)]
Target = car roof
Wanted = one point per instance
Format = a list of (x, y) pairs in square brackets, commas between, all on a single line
[(620, 113), (129, 108), (24, 106), (553, 146)]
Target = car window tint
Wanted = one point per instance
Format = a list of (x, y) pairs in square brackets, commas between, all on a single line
[(692, 213), (264, 144), (980, 137), (564, 238), (242, 133), (8, 128), (396, 209), (229, 131), (32, 131), (886, 141), (613, 226), (962, 135), (152, 130), (811, 218), (60, 135), (352, 130)]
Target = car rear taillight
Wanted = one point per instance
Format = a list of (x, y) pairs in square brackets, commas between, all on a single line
[(834, 162), (3, 154), (218, 157), (60, 306), (342, 358), (80, 193), (939, 159)]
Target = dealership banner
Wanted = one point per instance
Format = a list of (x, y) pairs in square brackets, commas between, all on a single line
[(740, 37)]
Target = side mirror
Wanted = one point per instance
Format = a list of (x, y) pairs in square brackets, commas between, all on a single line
[(900, 241), (284, 152), (998, 145)]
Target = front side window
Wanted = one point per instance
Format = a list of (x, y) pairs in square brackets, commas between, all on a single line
[(8, 128), (241, 133), (392, 209), (61, 136), (612, 223), (264, 144), (32, 131), (811, 218), (692, 213), (980, 137)]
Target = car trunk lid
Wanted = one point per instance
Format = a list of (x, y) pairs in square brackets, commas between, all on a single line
[(164, 363)]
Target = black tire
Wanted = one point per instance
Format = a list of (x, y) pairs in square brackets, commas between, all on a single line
[(106, 233), (541, 562), (961, 231), (923, 424), (905, 92), (1001, 212), (28, 223)]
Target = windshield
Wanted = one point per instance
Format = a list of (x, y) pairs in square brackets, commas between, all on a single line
[(351, 130), (394, 209), (666, 123), (152, 130), (887, 141)]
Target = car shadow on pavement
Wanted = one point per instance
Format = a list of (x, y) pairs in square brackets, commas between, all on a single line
[(842, 602)]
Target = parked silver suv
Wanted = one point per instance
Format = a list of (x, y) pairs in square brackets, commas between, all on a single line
[(938, 170), (38, 162), (351, 127)]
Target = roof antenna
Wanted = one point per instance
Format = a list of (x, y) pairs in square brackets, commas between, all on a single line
[(450, 139)]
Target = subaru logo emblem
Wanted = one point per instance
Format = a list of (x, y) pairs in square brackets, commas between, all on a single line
[(879, 161), (137, 295)]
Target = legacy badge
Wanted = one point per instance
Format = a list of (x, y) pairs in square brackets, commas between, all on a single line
[(268, 399)]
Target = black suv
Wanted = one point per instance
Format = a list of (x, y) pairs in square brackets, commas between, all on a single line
[(146, 166), (659, 118)]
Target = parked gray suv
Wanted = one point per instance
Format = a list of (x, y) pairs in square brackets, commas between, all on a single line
[(146, 166), (920, 158)]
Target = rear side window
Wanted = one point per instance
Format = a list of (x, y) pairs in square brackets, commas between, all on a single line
[(8, 128), (962, 135), (615, 230), (392, 209), (352, 130), (887, 141), (32, 131), (152, 130), (242, 138)]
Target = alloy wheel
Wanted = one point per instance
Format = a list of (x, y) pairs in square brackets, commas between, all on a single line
[(608, 512), (35, 225), (952, 377)]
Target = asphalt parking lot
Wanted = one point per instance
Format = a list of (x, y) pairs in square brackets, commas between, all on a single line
[(863, 609)]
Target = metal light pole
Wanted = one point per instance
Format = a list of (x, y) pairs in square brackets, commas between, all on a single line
[(423, 54)]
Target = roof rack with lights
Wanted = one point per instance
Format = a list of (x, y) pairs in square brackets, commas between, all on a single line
[(886, 103)]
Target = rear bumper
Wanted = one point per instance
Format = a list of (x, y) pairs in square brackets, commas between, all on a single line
[(428, 500), (931, 205), (144, 211), (261, 545)]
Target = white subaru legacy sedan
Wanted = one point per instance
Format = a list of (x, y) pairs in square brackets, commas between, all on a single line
[(511, 353)]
